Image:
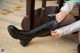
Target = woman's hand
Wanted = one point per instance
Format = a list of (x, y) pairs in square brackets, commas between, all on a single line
[(60, 16), (55, 34)]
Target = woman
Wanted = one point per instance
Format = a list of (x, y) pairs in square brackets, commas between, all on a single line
[(63, 18), (70, 28)]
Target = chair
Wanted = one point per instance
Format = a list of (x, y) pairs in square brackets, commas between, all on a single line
[(35, 18)]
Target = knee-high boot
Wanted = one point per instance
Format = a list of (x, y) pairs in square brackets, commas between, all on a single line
[(26, 36)]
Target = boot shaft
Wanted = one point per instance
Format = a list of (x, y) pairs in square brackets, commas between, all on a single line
[(45, 28)]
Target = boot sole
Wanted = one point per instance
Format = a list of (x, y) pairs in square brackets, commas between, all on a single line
[(23, 42)]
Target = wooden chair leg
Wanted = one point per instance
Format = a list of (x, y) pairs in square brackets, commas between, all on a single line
[(27, 22)]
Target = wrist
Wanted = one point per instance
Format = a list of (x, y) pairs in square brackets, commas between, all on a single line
[(60, 32), (64, 11)]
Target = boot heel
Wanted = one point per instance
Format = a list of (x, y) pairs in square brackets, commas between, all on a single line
[(25, 42)]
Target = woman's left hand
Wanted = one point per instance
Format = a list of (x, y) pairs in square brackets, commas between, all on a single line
[(60, 16), (55, 34)]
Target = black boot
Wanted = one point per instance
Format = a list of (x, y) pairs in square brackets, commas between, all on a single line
[(15, 33), (26, 36), (78, 48)]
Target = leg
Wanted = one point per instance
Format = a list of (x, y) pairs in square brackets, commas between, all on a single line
[(68, 20), (26, 36)]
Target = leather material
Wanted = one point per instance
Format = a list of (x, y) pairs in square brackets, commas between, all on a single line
[(33, 33)]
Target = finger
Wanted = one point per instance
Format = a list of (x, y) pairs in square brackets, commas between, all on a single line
[(58, 19), (53, 33)]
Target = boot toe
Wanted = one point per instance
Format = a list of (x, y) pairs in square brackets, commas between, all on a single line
[(16, 34), (11, 30)]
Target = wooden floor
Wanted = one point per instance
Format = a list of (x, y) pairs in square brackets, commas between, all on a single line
[(12, 13)]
